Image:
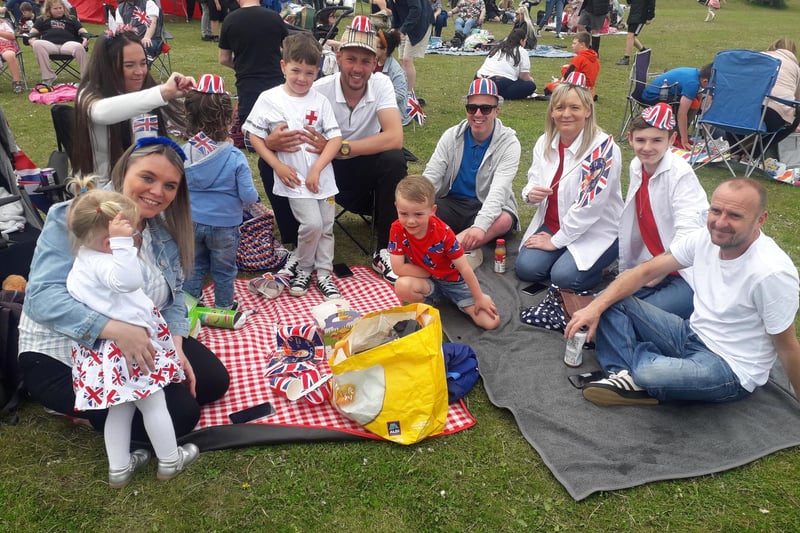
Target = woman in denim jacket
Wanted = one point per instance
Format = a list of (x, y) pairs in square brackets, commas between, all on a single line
[(151, 173)]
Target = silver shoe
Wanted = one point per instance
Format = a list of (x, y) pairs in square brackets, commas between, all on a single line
[(187, 454), (119, 478)]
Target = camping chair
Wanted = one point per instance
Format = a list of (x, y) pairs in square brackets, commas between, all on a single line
[(22, 76), (20, 60), (63, 122), (740, 85), (638, 82), (364, 210), (161, 63), (16, 247)]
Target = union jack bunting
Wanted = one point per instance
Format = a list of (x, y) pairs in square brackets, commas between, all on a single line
[(202, 143), (140, 17), (660, 116), (594, 172), (144, 124), (414, 110)]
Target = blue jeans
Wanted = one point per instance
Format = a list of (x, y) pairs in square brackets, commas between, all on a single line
[(550, 6), (465, 26), (215, 252), (514, 89), (559, 266), (673, 295), (663, 354), (456, 291), (439, 23)]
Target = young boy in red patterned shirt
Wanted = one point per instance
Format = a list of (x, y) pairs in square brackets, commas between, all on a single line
[(428, 259)]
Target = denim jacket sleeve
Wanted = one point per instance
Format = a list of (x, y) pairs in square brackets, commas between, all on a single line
[(48, 302), (46, 298), (165, 251)]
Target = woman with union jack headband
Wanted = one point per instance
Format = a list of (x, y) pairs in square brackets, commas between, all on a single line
[(574, 181), (150, 174), (119, 102)]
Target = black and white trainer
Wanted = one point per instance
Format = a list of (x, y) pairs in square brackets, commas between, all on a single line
[(300, 283), (328, 288), (383, 265), (617, 389)]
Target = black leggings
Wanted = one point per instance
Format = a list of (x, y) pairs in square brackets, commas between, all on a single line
[(49, 382)]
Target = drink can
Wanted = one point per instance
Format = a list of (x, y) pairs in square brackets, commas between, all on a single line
[(220, 318), (573, 355), (47, 177)]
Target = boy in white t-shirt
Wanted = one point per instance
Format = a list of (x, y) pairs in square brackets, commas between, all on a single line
[(306, 178)]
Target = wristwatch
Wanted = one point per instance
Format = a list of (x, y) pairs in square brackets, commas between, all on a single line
[(344, 151)]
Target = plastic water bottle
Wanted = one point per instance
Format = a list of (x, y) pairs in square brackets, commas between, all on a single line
[(663, 94)]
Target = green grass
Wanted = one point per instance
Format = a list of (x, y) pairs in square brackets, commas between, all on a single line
[(52, 474)]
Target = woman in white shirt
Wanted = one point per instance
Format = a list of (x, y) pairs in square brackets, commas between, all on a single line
[(509, 66), (575, 182)]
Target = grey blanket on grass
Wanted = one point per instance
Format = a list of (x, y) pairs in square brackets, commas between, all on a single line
[(589, 448)]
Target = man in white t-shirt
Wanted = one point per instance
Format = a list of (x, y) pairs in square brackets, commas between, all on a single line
[(745, 302), (371, 157)]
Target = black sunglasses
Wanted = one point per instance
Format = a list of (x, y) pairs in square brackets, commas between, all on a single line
[(485, 108)]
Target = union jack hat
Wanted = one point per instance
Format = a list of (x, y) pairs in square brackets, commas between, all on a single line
[(577, 79), (359, 34), (482, 86), (210, 84), (660, 116)]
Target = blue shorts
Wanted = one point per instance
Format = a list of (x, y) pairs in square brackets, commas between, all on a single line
[(455, 291)]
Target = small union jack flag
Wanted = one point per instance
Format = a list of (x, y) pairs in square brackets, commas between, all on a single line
[(145, 124), (202, 143), (414, 110), (140, 17), (594, 172)]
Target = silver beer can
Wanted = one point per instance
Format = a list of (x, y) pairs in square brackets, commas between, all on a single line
[(573, 355)]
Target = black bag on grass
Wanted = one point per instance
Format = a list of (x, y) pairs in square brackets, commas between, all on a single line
[(11, 392)]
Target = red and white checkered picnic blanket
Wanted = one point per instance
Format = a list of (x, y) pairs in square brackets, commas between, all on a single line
[(245, 353)]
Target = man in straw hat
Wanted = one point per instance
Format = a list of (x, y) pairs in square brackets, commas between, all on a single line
[(371, 157), (473, 168)]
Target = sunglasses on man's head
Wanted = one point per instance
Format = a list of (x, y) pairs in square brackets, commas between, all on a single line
[(485, 108)]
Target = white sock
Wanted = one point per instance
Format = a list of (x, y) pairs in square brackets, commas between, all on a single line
[(117, 433), (159, 426)]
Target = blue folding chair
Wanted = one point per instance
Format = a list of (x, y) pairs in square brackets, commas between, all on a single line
[(740, 86)]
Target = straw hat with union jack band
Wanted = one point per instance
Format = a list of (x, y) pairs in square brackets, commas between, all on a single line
[(359, 35)]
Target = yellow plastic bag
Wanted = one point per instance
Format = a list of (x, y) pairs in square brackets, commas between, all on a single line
[(395, 389)]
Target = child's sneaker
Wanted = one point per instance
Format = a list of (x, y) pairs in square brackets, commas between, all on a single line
[(300, 283), (289, 268), (187, 454), (383, 265), (328, 288)]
